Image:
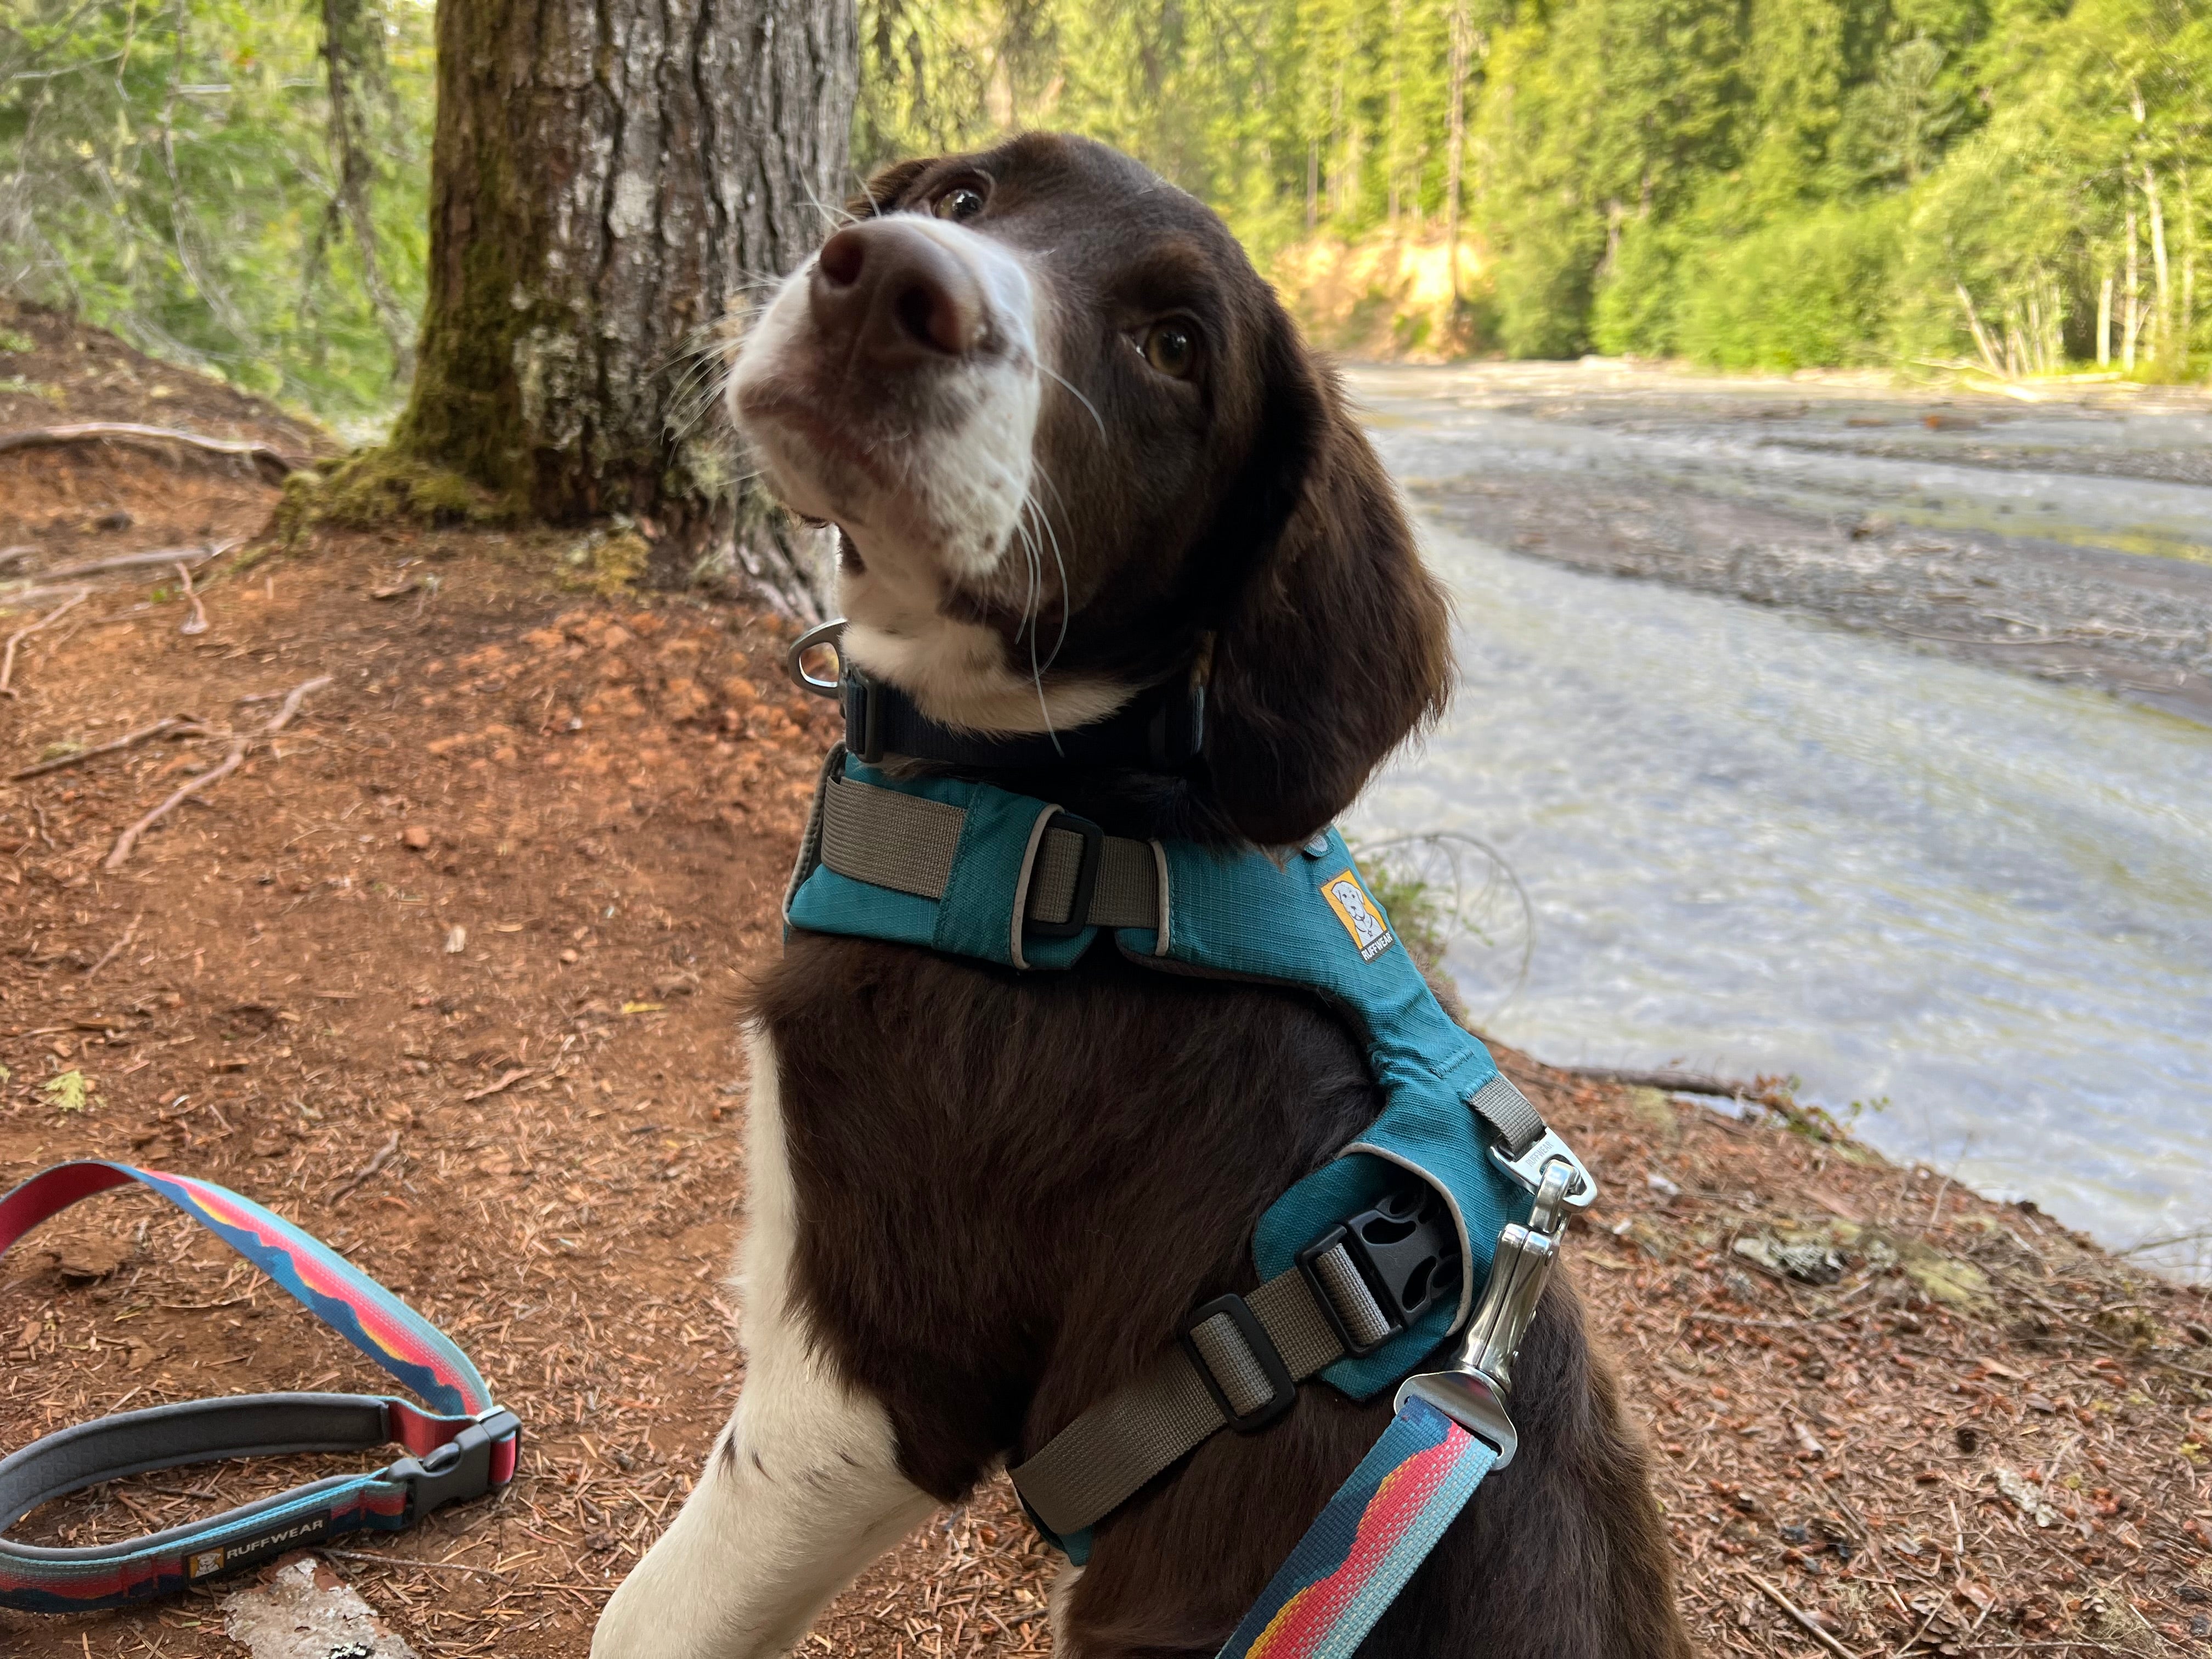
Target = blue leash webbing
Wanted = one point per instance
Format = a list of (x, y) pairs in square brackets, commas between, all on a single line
[(1367, 1542)]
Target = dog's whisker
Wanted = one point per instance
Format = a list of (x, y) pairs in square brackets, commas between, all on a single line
[(1059, 562), (1027, 540), (1078, 397)]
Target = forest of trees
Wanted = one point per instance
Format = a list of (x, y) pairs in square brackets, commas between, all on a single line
[(2023, 184)]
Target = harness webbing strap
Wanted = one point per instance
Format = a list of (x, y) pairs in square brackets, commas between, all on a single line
[(909, 844), (1095, 1464), (904, 842), (1517, 1122)]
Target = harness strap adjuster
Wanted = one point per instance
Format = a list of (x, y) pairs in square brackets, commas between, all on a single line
[(862, 704), (1086, 879), (1239, 1363)]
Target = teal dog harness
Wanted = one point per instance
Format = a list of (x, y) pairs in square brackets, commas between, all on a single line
[(1366, 1266)]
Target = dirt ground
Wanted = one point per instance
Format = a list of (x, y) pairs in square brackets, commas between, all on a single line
[(448, 971)]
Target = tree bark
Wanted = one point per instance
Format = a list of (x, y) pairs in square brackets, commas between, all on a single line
[(2162, 315), (2131, 320), (1455, 136), (613, 181)]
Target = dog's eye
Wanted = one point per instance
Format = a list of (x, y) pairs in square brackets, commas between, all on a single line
[(1172, 348), (960, 203)]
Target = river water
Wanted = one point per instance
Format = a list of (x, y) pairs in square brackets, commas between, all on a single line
[(1753, 841)]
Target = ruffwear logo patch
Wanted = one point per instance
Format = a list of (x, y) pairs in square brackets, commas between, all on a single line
[(1359, 913), (228, 1557)]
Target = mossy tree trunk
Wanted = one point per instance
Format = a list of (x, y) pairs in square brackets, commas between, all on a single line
[(612, 181)]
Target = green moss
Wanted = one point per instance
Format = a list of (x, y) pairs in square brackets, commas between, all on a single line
[(607, 564), (374, 487), (1946, 1279)]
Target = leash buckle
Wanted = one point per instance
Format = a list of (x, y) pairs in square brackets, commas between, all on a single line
[(456, 1472), (1473, 1390)]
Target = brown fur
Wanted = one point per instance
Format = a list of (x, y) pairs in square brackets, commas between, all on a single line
[(1013, 1187)]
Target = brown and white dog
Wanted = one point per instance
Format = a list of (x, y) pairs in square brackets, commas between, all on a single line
[(1074, 447)]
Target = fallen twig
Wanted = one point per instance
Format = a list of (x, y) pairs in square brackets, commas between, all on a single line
[(1678, 1083), (119, 947), (384, 1155), (239, 748), (180, 725), (134, 560), (16, 555), (411, 1561), (1805, 1620), (508, 1081), (264, 455), (8, 657), (198, 623)]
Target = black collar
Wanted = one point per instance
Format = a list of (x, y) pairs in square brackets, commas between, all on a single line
[(1161, 729)]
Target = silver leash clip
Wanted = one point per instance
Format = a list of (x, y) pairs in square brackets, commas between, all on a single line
[(1473, 1388)]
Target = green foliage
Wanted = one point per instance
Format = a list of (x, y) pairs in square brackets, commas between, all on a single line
[(1752, 182), (168, 171), (1418, 914), (70, 1092), (242, 184), (1803, 290)]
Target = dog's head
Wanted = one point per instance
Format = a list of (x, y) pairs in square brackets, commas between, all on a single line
[(1074, 448)]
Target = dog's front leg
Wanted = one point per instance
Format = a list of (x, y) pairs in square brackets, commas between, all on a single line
[(803, 1489)]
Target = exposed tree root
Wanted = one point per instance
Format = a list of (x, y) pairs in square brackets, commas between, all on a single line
[(180, 725), (239, 747), (8, 655), (133, 561), (271, 460)]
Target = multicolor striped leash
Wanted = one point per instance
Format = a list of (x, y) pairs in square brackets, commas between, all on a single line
[(462, 1448), (1380, 1526), (1451, 1428)]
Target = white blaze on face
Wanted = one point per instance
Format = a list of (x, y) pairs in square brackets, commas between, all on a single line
[(928, 472)]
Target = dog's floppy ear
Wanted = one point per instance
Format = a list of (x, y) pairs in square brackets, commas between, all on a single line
[(1336, 646), (886, 185)]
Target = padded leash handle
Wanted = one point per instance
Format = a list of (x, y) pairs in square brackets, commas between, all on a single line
[(462, 1449)]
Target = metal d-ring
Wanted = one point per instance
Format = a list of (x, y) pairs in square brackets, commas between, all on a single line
[(827, 633)]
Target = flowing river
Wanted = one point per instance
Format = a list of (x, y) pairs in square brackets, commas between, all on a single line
[(1753, 840)]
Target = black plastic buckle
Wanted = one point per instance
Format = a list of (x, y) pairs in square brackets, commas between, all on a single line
[(1284, 1386), (457, 1471), (863, 706), (1405, 1249), (1086, 879)]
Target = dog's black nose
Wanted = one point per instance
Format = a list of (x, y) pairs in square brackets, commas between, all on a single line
[(893, 291)]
